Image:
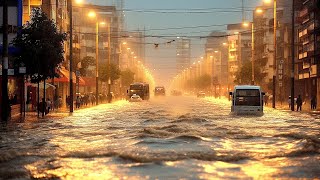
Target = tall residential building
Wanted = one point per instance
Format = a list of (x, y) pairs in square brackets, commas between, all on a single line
[(308, 62), (84, 29), (239, 41), (264, 46), (216, 61), (183, 51)]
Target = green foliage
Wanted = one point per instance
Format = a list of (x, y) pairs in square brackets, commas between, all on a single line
[(203, 81), (104, 72), (127, 77), (85, 63), (40, 47), (244, 75)]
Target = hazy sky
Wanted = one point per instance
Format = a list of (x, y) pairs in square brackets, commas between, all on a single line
[(154, 14)]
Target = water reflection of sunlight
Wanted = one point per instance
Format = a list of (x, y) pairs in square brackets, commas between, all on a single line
[(258, 170), (75, 169)]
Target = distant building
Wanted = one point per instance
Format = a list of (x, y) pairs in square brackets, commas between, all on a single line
[(216, 50), (183, 53)]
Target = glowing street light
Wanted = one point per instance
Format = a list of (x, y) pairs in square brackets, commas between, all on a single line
[(92, 14), (259, 11)]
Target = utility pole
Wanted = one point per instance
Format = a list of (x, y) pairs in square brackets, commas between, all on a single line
[(109, 61), (5, 99), (70, 58), (252, 52), (292, 58), (274, 53), (97, 62)]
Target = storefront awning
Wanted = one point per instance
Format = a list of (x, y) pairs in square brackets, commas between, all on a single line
[(90, 81), (48, 85), (64, 77)]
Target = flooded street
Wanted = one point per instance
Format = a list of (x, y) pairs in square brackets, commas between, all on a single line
[(164, 138)]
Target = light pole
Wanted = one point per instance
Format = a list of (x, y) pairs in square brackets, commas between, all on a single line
[(109, 61), (94, 15), (97, 62), (292, 54), (274, 51), (252, 53), (70, 58), (71, 53)]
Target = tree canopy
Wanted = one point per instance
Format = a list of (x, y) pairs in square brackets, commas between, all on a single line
[(40, 47), (127, 77), (85, 63), (104, 72), (244, 75), (203, 81)]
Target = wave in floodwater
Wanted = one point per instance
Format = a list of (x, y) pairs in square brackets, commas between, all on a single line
[(194, 131)]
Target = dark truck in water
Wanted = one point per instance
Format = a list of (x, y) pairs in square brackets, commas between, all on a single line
[(159, 91), (141, 89)]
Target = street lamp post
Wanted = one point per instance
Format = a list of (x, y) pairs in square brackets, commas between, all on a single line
[(274, 52), (252, 53), (94, 15), (292, 54), (70, 58), (109, 61), (97, 63)]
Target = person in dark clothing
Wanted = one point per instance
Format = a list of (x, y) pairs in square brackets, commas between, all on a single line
[(313, 103), (299, 103)]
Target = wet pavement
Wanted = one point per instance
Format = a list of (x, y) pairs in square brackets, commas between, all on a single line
[(164, 138)]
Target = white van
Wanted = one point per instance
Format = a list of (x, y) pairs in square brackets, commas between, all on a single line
[(247, 99)]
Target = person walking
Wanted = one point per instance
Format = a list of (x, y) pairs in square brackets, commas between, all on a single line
[(313, 103), (299, 103), (78, 102), (289, 102)]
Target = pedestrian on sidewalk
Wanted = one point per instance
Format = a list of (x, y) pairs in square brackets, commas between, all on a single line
[(313, 103), (299, 103), (289, 102), (49, 105), (78, 102), (266, 99)]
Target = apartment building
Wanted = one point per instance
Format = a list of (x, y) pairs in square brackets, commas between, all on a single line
[(239, 47), (308, 39), (216, 49)]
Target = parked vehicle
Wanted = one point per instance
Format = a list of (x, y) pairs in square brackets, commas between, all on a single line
[(141, 89), (159, 91), (247, 99), (135, 98), (201, 94)]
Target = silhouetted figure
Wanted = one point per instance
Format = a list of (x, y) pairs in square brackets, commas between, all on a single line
[(299, 103), (313, 103)]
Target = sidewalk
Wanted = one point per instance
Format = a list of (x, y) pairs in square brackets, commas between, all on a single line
[(32, 116), (306, 108)]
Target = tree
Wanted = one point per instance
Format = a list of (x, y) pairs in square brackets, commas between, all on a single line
[(85, 63), (203, 81), (127, 77), (104, 72), (40, 47), (244, 75)]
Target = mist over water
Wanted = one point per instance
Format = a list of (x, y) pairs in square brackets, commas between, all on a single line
[(166, 137)]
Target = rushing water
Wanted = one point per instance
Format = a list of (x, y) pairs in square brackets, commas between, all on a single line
[(166, 138)]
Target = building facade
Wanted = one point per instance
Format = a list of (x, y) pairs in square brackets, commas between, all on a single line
[(183, 51), (308, 39), (216, 50), (239, 47)]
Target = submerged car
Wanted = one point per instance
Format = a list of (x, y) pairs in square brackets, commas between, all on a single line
[(135, 98), (201, 94)]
